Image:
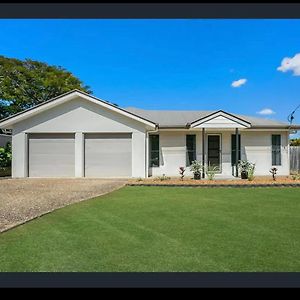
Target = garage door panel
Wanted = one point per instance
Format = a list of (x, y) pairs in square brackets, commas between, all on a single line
[(108, 155), (51, 155)]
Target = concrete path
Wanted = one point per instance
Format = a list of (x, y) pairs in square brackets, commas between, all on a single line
[(25, 199)]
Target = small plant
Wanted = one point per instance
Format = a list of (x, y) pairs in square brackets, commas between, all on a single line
[(163, 177), (196, 167), (250, 171), (139, 179), (296, 176), (273, 171), (181, 172), (211, 172)]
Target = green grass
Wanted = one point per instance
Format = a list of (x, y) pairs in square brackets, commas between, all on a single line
[(163, 229)]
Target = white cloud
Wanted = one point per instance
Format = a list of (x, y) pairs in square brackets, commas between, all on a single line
[(238, 83), (291, 64), (266, 112)]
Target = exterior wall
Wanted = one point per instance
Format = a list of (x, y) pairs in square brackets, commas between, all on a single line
[(4, 139), (256, 147), (173, 152), (78, 116)]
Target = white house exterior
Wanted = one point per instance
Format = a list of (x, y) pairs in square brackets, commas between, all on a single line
[(78, 135)]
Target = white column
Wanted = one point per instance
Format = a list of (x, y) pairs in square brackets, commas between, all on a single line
[(20, 155), (79, 154), (138, 154)]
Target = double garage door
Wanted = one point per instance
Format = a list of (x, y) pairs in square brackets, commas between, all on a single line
[(105, 155)]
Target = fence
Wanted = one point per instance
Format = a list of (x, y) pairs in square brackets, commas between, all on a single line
[(295, 159)]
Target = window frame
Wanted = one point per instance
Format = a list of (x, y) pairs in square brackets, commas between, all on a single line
[(276, 150), (194, 150), (151, 151)]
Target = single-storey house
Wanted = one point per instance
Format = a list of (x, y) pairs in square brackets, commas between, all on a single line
[(78, 135)]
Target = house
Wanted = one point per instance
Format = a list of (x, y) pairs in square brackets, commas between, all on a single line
[(78, 135)]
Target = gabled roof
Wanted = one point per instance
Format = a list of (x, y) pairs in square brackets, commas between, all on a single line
[(67, 97), (152, 118), (234, 120)]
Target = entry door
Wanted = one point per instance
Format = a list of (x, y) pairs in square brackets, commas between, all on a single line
[(214, 151)]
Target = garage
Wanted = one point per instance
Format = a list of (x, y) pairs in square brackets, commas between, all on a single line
[(108, 155), (51, 155)]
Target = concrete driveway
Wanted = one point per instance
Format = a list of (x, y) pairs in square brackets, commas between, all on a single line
[(25, 199)]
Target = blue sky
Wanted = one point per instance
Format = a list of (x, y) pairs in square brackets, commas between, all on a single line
[(171, 64)]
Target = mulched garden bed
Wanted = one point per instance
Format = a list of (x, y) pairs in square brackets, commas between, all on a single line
[(257, 182)]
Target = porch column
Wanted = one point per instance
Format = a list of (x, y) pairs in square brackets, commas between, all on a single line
[(236, 151), (203, 152)]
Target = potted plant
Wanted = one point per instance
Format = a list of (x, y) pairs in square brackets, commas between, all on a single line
[(196, 168), (243, 165)]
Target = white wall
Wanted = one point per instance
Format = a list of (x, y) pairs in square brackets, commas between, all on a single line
[(173, 152), (78, 116), (256, 148)]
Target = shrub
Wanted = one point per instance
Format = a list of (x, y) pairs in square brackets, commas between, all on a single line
[(296, 177), (211, 172), (181, 172), (163, 177), (5, 156), (250, 171)]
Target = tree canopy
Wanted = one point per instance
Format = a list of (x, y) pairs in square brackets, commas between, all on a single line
[(24, 84), (295, 142)]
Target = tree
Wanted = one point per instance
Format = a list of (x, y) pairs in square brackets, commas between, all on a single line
[(295, 142), (5, 156), (24, 84)]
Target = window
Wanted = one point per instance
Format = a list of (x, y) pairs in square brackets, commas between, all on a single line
[(233, 149), (154, 150), (190, 149), (276, 149)]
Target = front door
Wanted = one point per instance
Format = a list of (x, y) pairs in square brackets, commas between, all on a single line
[(214, 151)]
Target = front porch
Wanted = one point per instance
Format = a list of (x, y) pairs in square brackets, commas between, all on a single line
[(214, 140), (212, 147)]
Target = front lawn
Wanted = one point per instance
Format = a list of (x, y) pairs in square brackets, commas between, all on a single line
[(163, 229)]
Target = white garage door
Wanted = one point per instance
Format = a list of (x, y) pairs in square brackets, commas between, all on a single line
[(51, 155), (108, 155)]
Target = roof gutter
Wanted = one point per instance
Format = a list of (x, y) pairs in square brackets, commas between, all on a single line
[(296, 127)]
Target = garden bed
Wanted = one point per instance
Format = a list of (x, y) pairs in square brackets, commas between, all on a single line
[(258, 181)]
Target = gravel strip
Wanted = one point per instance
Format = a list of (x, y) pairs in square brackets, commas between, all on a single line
[(25, 199)]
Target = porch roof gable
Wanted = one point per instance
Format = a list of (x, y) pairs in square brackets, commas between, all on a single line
[(220, 119)]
